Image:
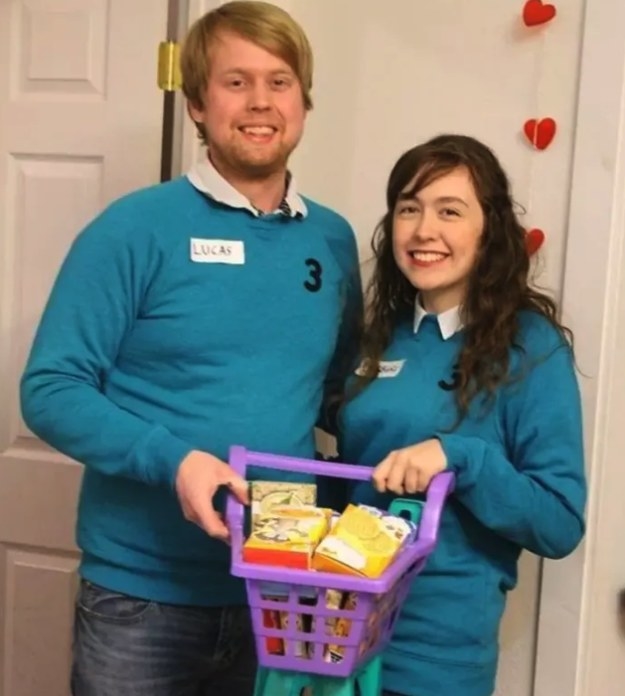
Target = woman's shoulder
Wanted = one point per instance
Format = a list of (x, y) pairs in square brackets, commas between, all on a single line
[(537, 336)]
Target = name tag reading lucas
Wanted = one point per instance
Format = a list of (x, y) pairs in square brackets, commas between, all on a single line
[(217, 251)]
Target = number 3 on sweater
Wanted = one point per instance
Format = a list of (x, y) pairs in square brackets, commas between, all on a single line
[(313, 284)]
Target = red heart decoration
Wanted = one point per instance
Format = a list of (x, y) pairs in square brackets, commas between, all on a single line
[(534, 239), (541, 132), (535, 13)]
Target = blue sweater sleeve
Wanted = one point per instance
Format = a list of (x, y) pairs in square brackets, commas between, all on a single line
[(93, 304), (348, 341), (535, 498), (347, 345)]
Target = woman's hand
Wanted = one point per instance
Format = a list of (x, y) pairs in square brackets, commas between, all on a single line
[(410, 470)]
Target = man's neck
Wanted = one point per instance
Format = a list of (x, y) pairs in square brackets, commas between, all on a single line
[(265, 194)]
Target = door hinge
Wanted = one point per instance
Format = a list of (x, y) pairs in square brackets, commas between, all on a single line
[(169, 77)]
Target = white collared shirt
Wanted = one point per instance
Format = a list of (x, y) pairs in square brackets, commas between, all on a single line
[(449, 322), (209, 181)]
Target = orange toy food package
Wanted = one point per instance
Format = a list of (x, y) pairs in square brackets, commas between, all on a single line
[(288, 537)]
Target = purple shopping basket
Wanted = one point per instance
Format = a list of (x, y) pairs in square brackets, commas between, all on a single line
[(306, 640)]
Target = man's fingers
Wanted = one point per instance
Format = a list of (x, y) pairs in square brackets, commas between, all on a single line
[(210, 520), (239, 487)]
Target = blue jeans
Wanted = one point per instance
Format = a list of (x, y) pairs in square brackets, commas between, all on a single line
[(125, 646)]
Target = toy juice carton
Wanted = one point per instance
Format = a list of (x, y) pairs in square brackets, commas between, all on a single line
[(363, 542), (266, 495), (287, 537)]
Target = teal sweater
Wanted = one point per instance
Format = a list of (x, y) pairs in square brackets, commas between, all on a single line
[(520, 485), (146, 352)]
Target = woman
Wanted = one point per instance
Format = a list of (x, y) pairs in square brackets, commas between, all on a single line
[(465, 368)]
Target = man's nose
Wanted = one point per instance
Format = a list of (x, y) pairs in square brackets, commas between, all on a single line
[(260, 97)]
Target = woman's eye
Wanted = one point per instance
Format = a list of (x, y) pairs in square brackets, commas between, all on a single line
[(450, 212), (407, 210)]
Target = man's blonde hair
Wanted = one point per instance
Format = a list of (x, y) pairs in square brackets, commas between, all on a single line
[(262, 23)]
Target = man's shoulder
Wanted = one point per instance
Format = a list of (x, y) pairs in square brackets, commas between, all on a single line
[(140, 215), (334, 221), (153, 198)]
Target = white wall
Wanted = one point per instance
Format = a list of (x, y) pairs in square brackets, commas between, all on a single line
[(389, 75)]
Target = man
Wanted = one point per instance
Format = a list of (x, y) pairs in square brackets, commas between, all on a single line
[(188, 317)]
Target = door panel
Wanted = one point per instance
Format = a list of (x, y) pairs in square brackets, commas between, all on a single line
[(80, 124)]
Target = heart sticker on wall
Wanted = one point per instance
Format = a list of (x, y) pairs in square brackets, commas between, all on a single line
[(534, 239), (540, 132), (536, 12)]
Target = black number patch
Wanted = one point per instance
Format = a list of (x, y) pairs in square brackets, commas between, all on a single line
[(455, 381), (313, 284)]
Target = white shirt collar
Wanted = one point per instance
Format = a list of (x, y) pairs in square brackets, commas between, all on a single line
[(449, 322), (209, 181)]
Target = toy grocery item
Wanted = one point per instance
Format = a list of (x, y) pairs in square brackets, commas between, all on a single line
[(267, 495)]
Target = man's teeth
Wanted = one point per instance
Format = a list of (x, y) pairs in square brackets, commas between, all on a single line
[(258, 130), (427, 256)]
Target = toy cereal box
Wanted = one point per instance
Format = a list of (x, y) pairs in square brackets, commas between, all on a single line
[(287, 537), (363, 542), (266, 495)]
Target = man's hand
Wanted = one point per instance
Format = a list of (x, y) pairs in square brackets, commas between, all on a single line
[(198, 478), (410, 470)]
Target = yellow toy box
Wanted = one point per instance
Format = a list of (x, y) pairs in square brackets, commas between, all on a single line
[(363, 542)]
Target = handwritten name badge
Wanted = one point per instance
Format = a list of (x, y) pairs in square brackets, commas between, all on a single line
[(387, 368), (217, 251)]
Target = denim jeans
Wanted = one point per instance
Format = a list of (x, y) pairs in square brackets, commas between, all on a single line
[(125, 646)]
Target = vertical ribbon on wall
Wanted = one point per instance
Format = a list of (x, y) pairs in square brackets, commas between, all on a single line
[(539, 131)]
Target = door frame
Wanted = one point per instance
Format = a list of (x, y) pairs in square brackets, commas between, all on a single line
[(574, 615)]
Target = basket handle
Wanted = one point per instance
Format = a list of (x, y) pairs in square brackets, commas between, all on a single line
[(441, 486), (438, 490)]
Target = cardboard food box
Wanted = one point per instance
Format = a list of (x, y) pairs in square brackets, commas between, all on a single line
[(287, 537), (338, 626), (363, 542), (267, 495)]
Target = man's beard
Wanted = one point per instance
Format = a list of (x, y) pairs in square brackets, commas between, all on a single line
[(251, 163)]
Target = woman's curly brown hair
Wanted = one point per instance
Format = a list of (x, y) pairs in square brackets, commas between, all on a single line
[(498, 285)]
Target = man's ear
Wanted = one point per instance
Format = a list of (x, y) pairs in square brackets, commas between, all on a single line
[(195, 111)]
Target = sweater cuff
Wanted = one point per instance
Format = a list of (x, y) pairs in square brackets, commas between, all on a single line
[(158, 458), (460, 452)]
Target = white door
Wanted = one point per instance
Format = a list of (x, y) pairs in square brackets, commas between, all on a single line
[(80, 124)]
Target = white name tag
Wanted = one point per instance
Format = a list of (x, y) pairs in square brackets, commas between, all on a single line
[(387, 368), (217, 251)]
